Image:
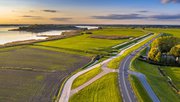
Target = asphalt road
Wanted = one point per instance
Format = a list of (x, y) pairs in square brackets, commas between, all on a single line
[(124, 84)]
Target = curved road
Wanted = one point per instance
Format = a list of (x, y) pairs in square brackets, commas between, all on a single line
[(124, 84)]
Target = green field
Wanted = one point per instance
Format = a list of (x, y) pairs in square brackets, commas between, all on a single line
[(174, 74), (119, 32), (86, 77), (175, 32), (85, 43), (104, 89)]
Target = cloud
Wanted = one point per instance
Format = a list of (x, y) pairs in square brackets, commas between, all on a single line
[(166, 17), (50, 11), (120, 16), (60, 19), (143, 11), (138, 16), (30, 16), (168, 1)]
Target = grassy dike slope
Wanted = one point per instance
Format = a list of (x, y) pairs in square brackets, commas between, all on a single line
[(86, 77), (104, 89)]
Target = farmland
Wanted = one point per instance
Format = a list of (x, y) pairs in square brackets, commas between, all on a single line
[(104, 89), (42, 60), (34, 74)]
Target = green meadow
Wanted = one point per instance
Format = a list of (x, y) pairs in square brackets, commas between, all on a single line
[(85, 43), (104, 89)]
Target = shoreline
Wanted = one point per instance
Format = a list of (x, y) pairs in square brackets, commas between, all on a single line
[(64, 35)]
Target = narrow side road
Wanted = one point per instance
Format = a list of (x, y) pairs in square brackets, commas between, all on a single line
[(146, 85)]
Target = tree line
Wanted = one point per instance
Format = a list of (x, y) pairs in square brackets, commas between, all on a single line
[(165, 50)]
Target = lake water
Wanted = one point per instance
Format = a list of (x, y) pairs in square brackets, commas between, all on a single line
[(88, 27), (11, 36)]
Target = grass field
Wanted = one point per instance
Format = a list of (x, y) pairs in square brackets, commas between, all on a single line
[(83, 43), (104, 89), (139, 90), (157, 82), (174, 74), (34, 74), (119, 32), (86, 77), (86, 43), (175, 32)]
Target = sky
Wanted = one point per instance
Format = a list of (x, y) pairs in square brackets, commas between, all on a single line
[(90, 12)]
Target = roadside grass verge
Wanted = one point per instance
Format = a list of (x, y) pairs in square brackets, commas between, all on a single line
[(104, 89), (86, 77), (139, 90), (114, 64)]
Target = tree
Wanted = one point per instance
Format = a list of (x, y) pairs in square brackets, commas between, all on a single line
[(152, 53), (175, 51), (158, 57), (165, 43)]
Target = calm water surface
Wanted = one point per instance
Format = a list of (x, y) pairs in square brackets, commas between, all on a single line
[(11, 36)]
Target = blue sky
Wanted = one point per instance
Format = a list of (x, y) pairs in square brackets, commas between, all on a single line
[(91, 11)]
